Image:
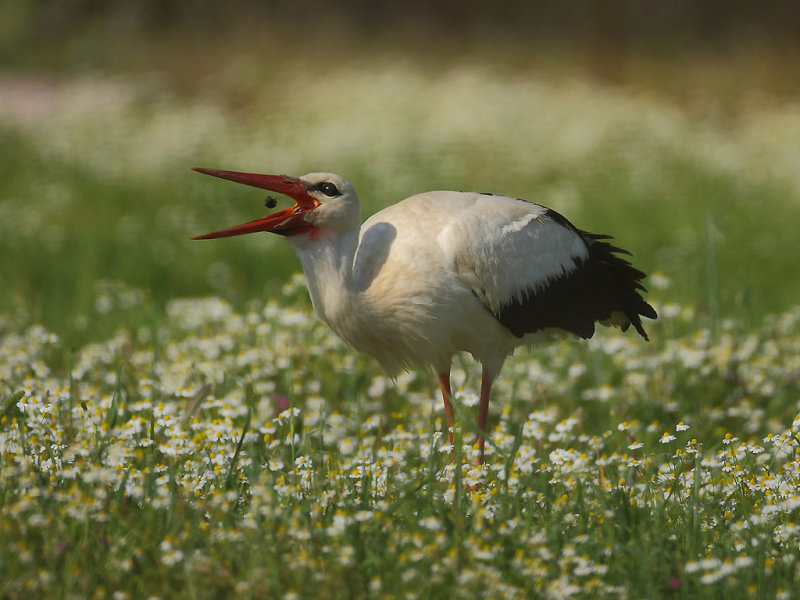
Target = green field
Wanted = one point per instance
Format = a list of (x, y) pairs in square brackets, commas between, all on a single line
[(174, 422)]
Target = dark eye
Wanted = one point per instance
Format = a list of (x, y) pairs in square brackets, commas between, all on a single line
[(330, 190)]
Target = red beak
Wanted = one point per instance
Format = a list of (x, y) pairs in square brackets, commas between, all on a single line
[(284, 222)]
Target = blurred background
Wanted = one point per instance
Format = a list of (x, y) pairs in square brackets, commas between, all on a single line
[(674, 126)]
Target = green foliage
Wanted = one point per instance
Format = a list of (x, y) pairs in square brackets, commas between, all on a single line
[(252, 454), (166, 430), (98, 188)]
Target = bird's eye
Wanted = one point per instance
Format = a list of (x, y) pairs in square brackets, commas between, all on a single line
[(329, 189)]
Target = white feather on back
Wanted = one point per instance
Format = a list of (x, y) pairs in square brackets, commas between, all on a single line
[(505, 248)]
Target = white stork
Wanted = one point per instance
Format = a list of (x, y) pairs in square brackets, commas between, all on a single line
[(445, 272)]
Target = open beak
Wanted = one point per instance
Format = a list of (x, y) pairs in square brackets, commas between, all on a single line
[(284, 222)]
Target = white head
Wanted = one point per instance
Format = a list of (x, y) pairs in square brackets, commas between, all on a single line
[(338, 206), (323, 202)]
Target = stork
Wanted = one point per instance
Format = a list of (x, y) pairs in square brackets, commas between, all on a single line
[(444, 272)]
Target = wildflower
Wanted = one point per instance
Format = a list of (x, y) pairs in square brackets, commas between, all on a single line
[(431, 523), (347, 445), (666, 438), (659, 280), (169, 555), (468, 398), (576, 370), (281, 404), (347, 556), (726, 568)]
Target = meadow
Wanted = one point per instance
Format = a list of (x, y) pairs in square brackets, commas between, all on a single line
[(174, 421)]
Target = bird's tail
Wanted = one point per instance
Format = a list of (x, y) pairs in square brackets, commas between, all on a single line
[(621, 286)]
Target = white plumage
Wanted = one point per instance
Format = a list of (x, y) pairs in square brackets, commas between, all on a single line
[(445, 272)]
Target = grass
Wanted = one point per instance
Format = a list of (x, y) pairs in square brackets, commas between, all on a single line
[(168, 430), (217, 456), (98, 186)]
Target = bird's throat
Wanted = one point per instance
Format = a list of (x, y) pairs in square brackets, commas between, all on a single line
[(327, 261)]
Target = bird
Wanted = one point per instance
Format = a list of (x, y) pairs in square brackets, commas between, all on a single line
[(445, 272)]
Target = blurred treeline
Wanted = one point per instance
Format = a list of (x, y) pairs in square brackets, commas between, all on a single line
[(613, 21), (605, 26)]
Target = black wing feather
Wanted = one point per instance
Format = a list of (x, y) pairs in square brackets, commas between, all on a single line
[(598, 289)]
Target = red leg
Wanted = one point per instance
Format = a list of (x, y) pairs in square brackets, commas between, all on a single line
[(487, 380), (444, 382)]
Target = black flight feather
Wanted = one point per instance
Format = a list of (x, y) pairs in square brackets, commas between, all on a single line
[(601, 287)]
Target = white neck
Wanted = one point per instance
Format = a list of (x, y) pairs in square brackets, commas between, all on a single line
[(327, 258)]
